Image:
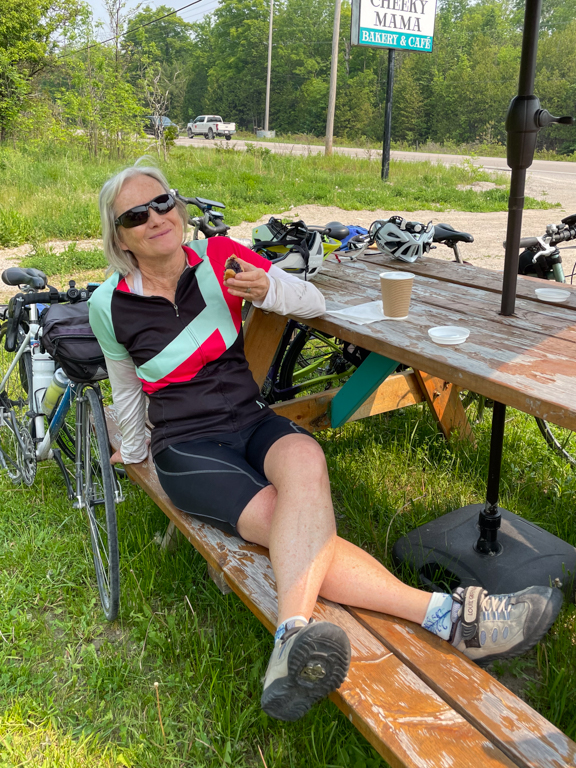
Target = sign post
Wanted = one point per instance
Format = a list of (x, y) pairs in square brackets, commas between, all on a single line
[(405, 25)]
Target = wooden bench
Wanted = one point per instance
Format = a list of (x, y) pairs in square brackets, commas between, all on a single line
[(419, 702)]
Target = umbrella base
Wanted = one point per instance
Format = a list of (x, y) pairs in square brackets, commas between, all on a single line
[(442, 553)]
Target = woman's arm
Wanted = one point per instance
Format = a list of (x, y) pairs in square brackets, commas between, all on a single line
[(130, 404), (288, 295)]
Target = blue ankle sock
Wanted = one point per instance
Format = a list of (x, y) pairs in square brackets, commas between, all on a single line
[(438, 619), (293, 621)]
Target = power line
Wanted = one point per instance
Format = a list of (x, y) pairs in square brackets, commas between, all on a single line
[(207, 12), (128, 32)]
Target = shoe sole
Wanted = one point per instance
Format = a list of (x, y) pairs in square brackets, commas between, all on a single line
[(546, 620), (324, 649)]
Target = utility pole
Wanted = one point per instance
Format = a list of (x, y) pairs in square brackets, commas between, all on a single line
[(267, 114), (333, 79)]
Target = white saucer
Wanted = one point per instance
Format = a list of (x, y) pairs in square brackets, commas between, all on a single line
[(448, 334), (552, 294)]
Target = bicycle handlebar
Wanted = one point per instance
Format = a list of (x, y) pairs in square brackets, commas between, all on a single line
[(210, 231), (528, 242), (555, 234)]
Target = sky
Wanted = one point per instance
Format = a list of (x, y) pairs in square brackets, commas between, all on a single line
[(194, 13)]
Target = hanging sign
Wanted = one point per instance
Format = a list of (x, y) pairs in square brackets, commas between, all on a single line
[(407, 25)]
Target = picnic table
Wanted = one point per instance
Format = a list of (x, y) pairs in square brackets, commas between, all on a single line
[(418, 701), (527, 361)]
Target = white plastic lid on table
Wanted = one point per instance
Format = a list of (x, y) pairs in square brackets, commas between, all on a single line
[(448, 334), (552, 294)]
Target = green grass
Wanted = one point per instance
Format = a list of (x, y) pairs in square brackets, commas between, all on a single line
[(77, 692), (53, 194), (70, 260)]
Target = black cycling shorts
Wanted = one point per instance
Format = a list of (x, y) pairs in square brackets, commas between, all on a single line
[(214, 478)]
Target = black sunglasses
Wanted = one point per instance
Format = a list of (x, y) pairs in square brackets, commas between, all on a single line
[(139, 214)]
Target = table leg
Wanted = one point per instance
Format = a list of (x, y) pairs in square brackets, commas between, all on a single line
[(444, 401), (364, 381), (262, 334)]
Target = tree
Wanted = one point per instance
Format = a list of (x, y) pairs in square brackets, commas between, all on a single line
[(29, 31)]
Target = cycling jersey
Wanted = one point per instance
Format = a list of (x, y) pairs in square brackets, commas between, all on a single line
[(188, 355)]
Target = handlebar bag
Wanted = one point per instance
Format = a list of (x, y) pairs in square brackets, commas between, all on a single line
[(68, 337)]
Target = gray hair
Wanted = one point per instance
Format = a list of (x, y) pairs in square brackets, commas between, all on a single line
[(120, 260)]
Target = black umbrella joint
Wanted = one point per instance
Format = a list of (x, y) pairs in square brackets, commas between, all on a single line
[(509, 554)]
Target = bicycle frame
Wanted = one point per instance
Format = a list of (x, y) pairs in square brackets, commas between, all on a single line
[(272, 378)]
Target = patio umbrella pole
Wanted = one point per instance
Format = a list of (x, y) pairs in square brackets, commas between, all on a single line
[(510, 554), (524, 120)]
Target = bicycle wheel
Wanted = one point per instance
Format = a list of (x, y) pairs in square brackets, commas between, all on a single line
[(313, 362), (16, 443), (99, 497), (560, 439)]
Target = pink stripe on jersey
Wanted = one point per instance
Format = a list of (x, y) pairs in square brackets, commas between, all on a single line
[(213, 347)]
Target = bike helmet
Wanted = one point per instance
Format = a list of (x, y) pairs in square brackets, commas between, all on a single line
[(401, 239), (292, 247)]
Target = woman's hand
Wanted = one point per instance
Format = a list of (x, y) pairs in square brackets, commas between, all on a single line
[(116, 457), (251, 284)]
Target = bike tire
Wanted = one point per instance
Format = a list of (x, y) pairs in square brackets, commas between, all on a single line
[(99, 497), (318, 352), (561, 440), (14, 406)]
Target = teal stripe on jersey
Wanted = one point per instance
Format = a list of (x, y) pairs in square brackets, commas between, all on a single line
[(214, 317), (100, 315)]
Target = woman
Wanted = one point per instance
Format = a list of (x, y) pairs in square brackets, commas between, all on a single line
[(170, 327)]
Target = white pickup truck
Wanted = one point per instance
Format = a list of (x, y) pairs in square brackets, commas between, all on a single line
[(210, 126)]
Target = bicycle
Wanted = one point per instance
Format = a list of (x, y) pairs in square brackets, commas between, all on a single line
[(541, 258), (29, 435)]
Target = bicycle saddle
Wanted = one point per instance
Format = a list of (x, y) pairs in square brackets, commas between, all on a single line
[(31, 277), (333, 229), (336, 230), (446, 233)]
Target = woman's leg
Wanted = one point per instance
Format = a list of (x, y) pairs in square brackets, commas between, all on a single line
[(294, 518)]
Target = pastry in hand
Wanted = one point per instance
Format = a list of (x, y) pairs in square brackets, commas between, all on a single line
[(232, 267)]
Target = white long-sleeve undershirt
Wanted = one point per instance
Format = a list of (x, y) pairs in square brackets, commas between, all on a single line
[(287, 295)]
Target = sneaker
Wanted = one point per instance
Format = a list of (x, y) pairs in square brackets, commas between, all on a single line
[(307, 663), (488, 627)]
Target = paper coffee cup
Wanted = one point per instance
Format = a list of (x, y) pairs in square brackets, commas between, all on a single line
[(396, 293)]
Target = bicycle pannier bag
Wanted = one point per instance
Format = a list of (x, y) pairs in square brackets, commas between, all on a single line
[(68, 337)]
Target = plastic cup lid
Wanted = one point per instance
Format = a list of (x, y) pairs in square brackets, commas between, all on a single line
[(552, 294), (448, 334)]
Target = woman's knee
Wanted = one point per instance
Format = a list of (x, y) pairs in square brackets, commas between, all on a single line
[(256, 517), (295, 457)]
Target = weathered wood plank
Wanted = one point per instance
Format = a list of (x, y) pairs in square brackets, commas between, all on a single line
[(405, 721), (533, 316), (262, 334), (528, 370), (518, 730), (464, 274), (444, 401), (311, 411)]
